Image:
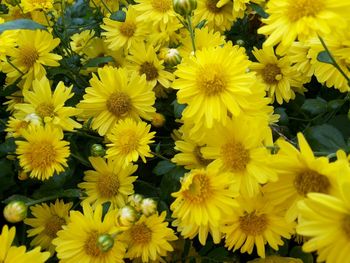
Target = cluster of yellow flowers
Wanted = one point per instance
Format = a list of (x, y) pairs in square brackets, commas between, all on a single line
[(242, 188)]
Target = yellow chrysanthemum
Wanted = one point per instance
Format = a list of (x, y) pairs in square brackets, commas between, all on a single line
[(165, 34), (48, 105), (155, 10), (299, 174), (31, 5), (239, 6), (143, 59), (31, 55), (276, 259), (7, 40), (255, 223), (13, 254), (299, 55), (79, 240), (124, 34), (238, 148), (15, 126), (43, 152), (109, 182), (278, 75), (302, 19), (130, 141), (116, 94), (80, 41), (47, 220), (106, 6), (205, 198), (214, 83), (149, 238)]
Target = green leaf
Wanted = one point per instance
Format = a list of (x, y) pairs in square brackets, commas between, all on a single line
[(259, 10), (163, 167), (96, 62), (171, 183), (325, 138), (6, 175), (17, 198), (314, 106), (297, 252), (219, 254), (335, 104), (178, 109), (7, 147), (283, 120), (324, 57), (20, 24), (118, 16)]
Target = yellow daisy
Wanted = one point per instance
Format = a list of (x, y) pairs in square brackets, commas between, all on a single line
[(276, 259), (109, 182), (205, 198), (48, 105), (80, 41), (278, 75), (299, 55), (83, 239), (130, 141), (255, 223), (116, 94), (112, 5), (43, 151), (15, 126), (165, 35), (31, 5), (149, 238), (30, 56), (47, 220), (155, 10), (13, 254), (214, 83)]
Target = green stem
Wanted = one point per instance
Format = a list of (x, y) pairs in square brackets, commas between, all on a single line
[(160, 156), (190, 28), (19, 6)]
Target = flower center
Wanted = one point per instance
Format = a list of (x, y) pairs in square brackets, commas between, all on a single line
[(298, 9), (129, 142), (199, 157), (311, 181), (28, 56), (108, 185), (346, 226), (150, 70), (141, 234), (90, 245), (53, 225), (45, 110), (211, 6), (119, 104), (127, 29), (161, 6), (211, 80), (199, 189), (42, 155), (235, 156), (271, 74), (252, 224)]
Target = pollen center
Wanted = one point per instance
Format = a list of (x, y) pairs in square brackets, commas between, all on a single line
[(129, 142), (199, 189), (119, 104), (271, 74), (211, 6), (298, 9), (53, 225), (199, 157), (127, 29), (150, 70), (141, 234), (161, 6), (252, 224), (235, 156), (28, 56), (346, 226), (42, 155), (311, 181), (108, 185), (90, 245), (45, 110), (211, 80)]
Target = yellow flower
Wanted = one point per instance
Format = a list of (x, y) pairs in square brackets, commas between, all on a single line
[(47, 220), (129, 141), (30, 56), (116, 94), (15, 126), (276, 259), (299, 55), (13, 254), (80, 41), (81, 238), (49, 106), (112, 5), (155, 10), (277, 74), (255, 223), (43, 152), (109, 182), (149, 238), (208, 195), (31, 5)]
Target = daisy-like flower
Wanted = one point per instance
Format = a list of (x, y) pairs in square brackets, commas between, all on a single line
[(238, 148), (31, 5), (277, 74), (155, 10), (80, 41), (239, 6), (276, 259), (7, 40), (43, 151), (30, 56), (11, 254), (124, 34), (106, 6), (143, 59), (109, 182), (299, 55), (130, 141), (48, 105), (300, 173), (81, 238), (116, 94), (302, 19), (255, 223), (15, 126), (47, 220), (149, 238), (214, 83), (208, 194)]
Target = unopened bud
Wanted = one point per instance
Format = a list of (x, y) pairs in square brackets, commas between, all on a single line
[(184, 7), (135, 200), (127, 216), (172, 58), (33, 118), (15, 211), (158, 120), (148, 206), (240, 42), (22, 175), (105, 242), (97, 150)]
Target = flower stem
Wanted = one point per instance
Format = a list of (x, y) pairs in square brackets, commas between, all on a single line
[(190, 28)]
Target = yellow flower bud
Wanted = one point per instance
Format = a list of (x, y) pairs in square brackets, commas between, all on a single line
[(158, 120), (15, 211), (148, 206), (172, 58), (105, 242), (135, 200), (127, 216)]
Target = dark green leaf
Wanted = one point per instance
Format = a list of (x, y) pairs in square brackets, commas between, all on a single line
[(178, 109), (324, 57), (96, 62), (284, 120), (20, 24), (219, 254), (6, 175), (171, 183), (7, 147), (314, 106), (17, 198), (259, 10), (163, 167), (118, 16), (297, 252), (335, 104)]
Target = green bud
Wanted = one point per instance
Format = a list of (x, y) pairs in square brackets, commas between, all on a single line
[(172, 58), (97, 150), (184, 7), (105, 242), (15, 211), (240, 42), (148, 206)]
